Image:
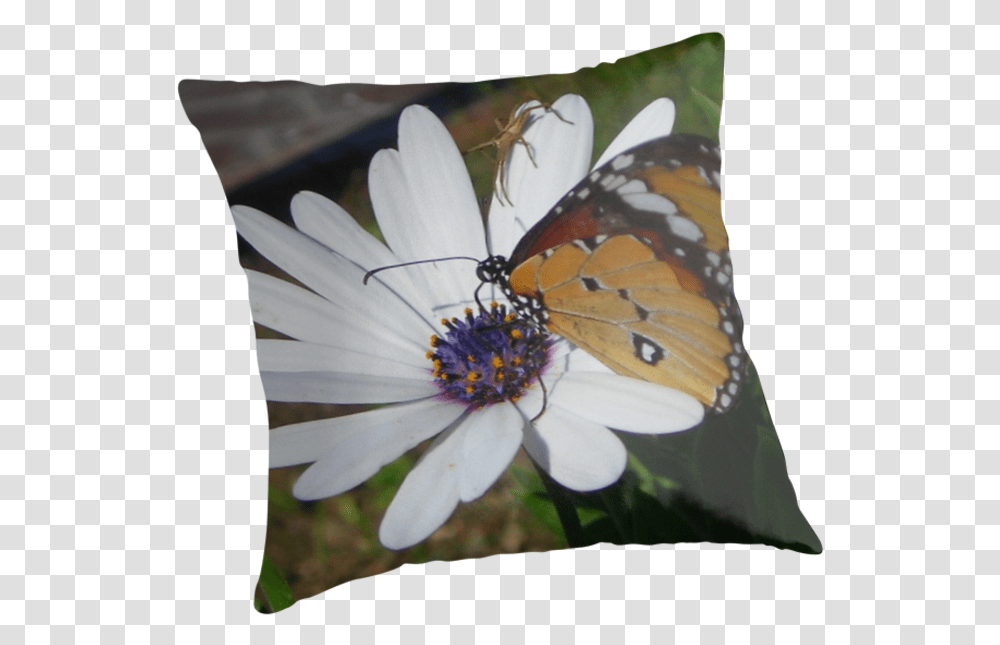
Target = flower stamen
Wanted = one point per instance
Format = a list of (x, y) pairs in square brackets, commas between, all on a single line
[(489, 358)]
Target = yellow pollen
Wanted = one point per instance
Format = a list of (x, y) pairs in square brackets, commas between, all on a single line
[(470, 390), (516, 361), (515, 399), (497, 362), (470, 358), (472, 377), (499, 377), (509, 318), (516, 334), (429, 355), (434, 341), (494, 304), (468, 311), (444, 321)]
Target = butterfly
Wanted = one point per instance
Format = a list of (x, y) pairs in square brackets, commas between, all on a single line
[(632, 265)]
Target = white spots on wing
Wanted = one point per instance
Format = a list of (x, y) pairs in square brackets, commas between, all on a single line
[(722, 278), (651, 202), (648, 353), (683, 227), (600, 239), (594, 176), (716, 177), (728, 327), (616, 181), (632, 187), (622, 161), (713, 257)]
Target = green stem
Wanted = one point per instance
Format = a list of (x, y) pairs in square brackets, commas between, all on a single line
[(568, 516), (615, 504)]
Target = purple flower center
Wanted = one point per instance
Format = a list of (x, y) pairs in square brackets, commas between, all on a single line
[(489, 358)]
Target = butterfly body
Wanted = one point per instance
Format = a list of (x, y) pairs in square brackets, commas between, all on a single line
[(633, 266)]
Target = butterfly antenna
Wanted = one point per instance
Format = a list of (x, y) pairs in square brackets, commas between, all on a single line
[(406, 264)]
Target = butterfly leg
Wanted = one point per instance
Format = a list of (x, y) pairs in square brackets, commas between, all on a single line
[(545, 400)]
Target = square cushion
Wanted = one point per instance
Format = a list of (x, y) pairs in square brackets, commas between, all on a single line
[(495, 317)]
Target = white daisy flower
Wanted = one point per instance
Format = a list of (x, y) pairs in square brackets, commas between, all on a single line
[(368, 343)]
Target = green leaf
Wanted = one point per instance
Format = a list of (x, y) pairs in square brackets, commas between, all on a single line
[(723, 481), (531, 493), (388, 480), (712, 110), (277, 593)]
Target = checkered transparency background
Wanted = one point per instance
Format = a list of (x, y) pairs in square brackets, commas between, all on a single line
[(861, 188)]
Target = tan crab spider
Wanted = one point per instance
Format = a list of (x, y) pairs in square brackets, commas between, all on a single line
[(511, 133)]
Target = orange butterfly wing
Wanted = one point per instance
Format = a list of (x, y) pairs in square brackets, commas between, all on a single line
[(633, 266)]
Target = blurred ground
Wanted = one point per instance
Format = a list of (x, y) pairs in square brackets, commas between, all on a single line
[(255, 128)]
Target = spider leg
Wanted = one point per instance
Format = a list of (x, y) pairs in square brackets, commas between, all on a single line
[(503, 181), (556, 112), (498, 180), (520, 139), (491, 142)]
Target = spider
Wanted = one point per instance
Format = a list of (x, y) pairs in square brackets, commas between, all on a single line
[(511, 133)]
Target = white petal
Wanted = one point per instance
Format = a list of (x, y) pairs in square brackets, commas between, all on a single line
[(332, 226), (350, 449), (297, 356), (326, 222), (492, 437), (625, 403), (426, 207), (329, 274), (430, 155), (581, 361), (343, 387), (562, 349), (534, 399), (656, 120), (428, 495), (562, 152), (301, 314), (578, 453)]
